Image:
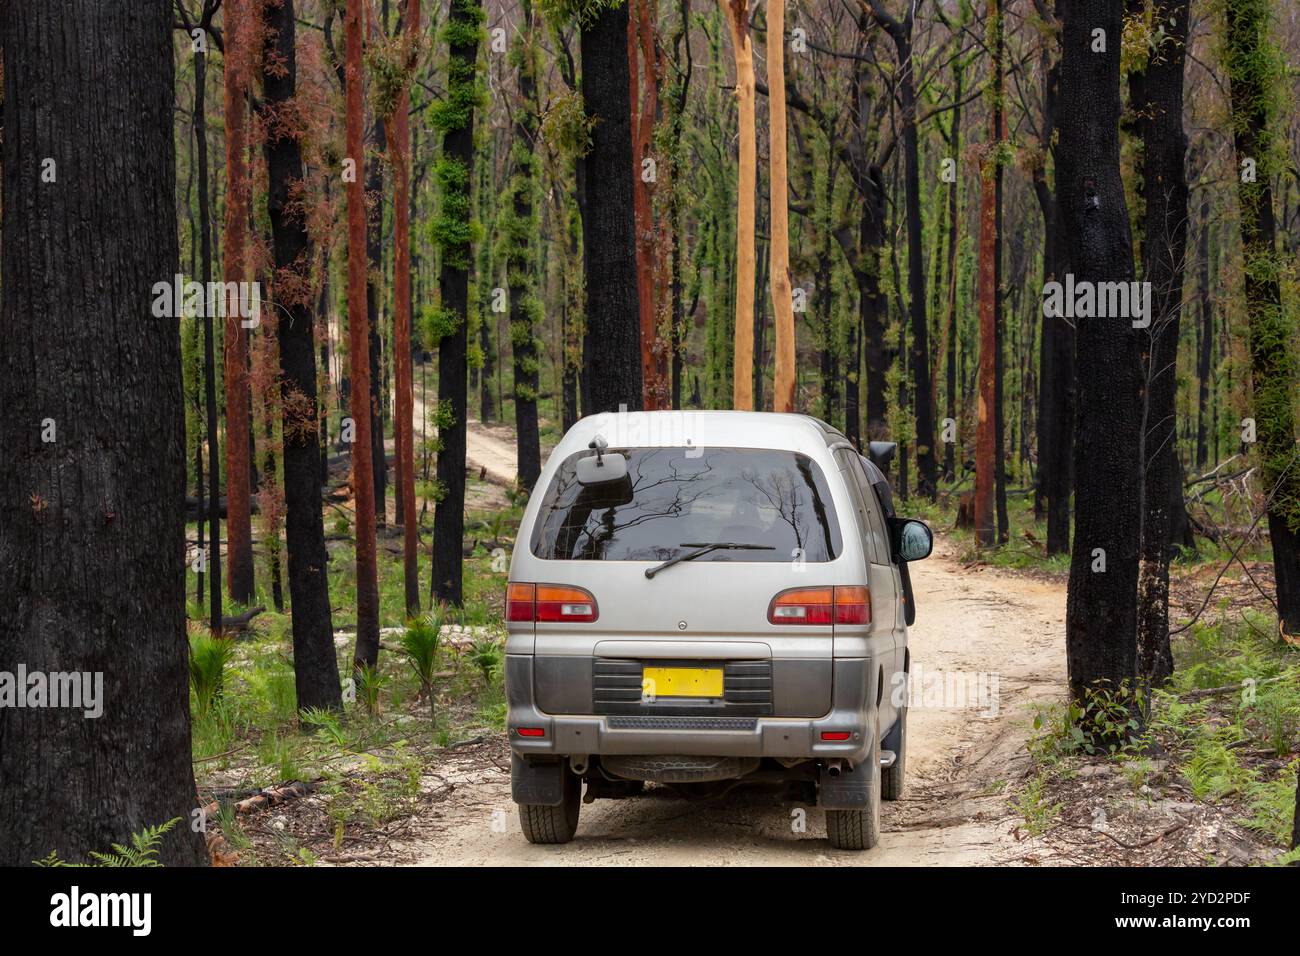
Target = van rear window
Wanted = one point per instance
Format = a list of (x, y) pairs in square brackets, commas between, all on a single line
[(677, 496)]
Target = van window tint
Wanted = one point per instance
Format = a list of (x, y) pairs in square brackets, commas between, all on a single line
[(673, 496)]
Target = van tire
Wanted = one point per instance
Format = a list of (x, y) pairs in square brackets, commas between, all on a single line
[(854, 829), (557, 824), (891, 778)]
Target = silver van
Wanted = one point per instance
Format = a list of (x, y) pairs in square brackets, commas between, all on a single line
[(708, 599)]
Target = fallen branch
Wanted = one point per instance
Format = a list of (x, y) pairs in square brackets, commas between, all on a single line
[(268, 797), (240, 622)]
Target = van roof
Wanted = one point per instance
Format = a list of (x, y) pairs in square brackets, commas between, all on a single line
[(719, 429)]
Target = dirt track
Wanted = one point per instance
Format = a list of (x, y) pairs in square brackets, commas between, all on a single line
[(961, 766)]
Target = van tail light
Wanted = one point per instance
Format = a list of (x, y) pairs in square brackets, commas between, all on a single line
[(821, 605), (549, 602), (520, 599)]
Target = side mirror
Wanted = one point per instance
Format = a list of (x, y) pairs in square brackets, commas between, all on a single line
[(602, 467), (912, 539), (880, 453)]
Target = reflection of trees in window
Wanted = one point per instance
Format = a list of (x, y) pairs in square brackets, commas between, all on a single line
[(819, 506), (778, 489), (642, 505), (683, 495)]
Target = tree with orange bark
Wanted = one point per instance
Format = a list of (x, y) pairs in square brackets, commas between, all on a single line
[(239, 532), (644, 68), (986, 450), (363, 479), (779, 248), (737, 14)]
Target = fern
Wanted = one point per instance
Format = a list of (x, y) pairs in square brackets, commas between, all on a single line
[(143, 851)]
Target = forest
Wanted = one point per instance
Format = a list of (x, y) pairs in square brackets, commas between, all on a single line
[(298, 296)]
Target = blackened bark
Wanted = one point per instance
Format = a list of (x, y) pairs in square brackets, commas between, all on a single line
[(1273, 373), (1101, 609), (950, 372), (209, 347), (92, 546), (612, 352), (1056, 350), (315, 665), (520, 262), (1205, 334), (900, 31), (447, 574), (1164, 179), (374, 252)]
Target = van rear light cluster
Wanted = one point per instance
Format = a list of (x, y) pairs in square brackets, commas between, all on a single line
[(549, 602), (821, 605)]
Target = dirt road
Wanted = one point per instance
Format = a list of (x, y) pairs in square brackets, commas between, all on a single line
[(488, 448), (961, 766)]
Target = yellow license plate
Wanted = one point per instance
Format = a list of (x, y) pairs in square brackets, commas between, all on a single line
[(681, 682)]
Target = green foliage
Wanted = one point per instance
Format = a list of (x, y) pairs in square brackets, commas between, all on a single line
[(1035, 807), (370, 682), (581, 12), (486, 656), (209, 657), (143, 851), (1213, 772), (567, 126), (420, 643)]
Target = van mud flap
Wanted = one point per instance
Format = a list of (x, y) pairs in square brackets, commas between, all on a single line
[(850, 790), (537, 783)]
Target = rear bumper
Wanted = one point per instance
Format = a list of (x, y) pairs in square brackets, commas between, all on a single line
[(853, 702)]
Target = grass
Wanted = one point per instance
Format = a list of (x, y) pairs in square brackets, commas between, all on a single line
[(427, 693), (1233, 749)]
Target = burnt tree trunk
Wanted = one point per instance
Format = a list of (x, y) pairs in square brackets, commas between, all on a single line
[(374, 253), (1272, 365), (612, 356), (1101, 608), (239, 434), (447, 573), (315, 666), (1164, 179), (209, 347), (92, 551)]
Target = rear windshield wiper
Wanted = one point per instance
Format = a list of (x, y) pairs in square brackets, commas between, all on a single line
[(702, 549)]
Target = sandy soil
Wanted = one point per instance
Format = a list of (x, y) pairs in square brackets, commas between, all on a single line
[(961, 764)]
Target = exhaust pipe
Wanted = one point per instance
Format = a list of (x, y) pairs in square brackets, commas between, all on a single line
[(578, 764), (834, 767)]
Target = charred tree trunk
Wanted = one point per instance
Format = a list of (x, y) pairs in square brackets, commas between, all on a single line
[(239, 530), (92, 552), (457, 125), (1164, 145), (900, 31), (1205, 336), (315, 666), (403, 417), (375, 345), (1272, 365), (209, 346), (612, 356), (950, 372), (520, 228), (1101, 610)]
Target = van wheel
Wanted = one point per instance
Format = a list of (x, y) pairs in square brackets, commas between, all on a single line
[(557, 824), (854, 829), (891, 778), (857, 829)]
